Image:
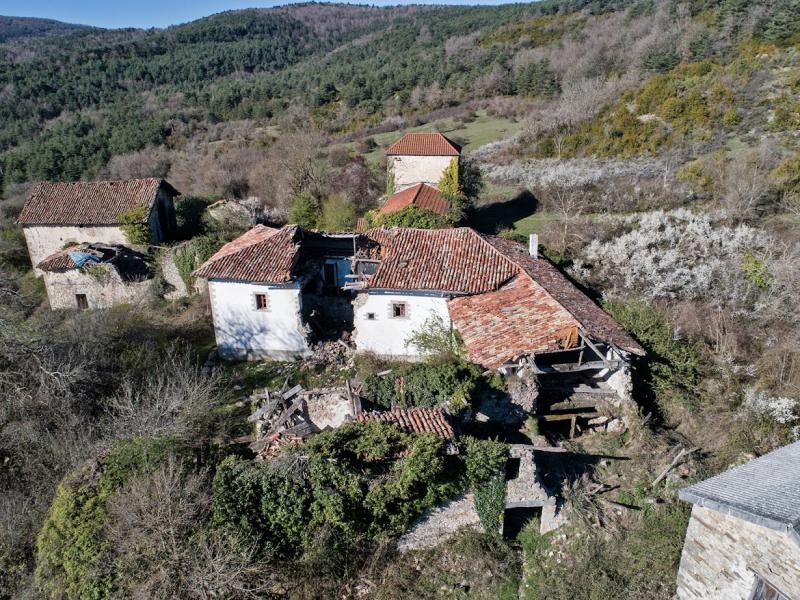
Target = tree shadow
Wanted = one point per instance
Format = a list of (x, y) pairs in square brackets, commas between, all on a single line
[(497, 216)]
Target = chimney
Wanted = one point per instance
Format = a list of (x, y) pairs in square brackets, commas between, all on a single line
[(533, 245)]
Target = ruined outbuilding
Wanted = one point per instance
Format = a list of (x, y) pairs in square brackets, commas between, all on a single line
[(89, 276), (58, 214)]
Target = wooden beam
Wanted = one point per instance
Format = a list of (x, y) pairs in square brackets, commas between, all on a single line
[(591, 345), (567, 416)]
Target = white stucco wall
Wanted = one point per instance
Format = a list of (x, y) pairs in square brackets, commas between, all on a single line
[(101, 292), (242, 331), (410, 170), (386, 335), (44, 240)]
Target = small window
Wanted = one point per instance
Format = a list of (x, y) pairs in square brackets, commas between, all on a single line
[(81, 301), (370, 316), (261, 302), (398, 309), (764, 591)]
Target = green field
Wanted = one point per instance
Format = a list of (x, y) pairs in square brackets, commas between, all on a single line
[(472, 135)]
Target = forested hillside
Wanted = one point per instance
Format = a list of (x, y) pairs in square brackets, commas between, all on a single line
[(651, 144)]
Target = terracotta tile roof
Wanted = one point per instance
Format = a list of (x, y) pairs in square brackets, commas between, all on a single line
[(414, 420), (424, 144), (88, 202), (446, 260), (270, 259), (60, 261), (421, 195), (597, 323), (517, 320), (500, 319), (257, 234)]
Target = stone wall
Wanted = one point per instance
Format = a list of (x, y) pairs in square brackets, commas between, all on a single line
[(436, 525), (722, 555), (45, 240), (100, 291), (409, 170)]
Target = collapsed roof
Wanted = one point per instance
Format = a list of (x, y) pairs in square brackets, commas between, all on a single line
[(89, 202), (131, 265)]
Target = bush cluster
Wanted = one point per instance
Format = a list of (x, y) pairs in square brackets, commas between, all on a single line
[(362, 481), (424, 384)]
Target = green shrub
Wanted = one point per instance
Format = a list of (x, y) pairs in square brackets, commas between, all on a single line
[(536, 79), (191, 255), (485, 462), (673, 366), (304, 211), (756, 271), (73, 556), (424, 384), (261, 504), (338, 214), (133, 223), (356, 483), (412, 216), (661, 60)]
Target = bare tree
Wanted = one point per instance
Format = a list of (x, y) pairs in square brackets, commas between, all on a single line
[(174, 398), (568, 203)]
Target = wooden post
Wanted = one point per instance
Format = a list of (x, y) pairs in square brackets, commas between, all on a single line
[(572, 426)]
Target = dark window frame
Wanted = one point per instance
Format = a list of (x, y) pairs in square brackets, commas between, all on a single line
[(261, 300), (81, 301), (399, 310)]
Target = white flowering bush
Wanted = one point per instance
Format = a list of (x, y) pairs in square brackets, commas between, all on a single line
[(678, 255), (781, 410)]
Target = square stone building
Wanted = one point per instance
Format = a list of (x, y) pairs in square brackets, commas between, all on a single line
[(64, 213), (419, 158), (743, 539)]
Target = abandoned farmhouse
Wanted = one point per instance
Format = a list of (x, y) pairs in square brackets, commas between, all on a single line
[(743, 539)]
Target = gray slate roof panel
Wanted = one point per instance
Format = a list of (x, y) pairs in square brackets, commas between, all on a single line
[(765, 491)]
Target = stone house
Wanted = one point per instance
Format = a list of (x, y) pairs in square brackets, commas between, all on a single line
[(507, 303), (63, 213), (90, 276), (419, 158), (272, 292), (743, 538)]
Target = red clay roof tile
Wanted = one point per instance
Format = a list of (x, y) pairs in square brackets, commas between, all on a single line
[(421, 195), (424, 144), (88, 202), (263, 257), (414, 420)]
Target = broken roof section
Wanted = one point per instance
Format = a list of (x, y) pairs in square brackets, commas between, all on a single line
[(421, 195), (131, 265), (764, 491), (89, 202), (416, 420), (262, 255), (423, 144)]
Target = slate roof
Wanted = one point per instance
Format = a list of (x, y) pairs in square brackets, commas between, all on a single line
[(414, 420), (764, 491), (421, 195), (424, 144), (258, 256), (88, 202)]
